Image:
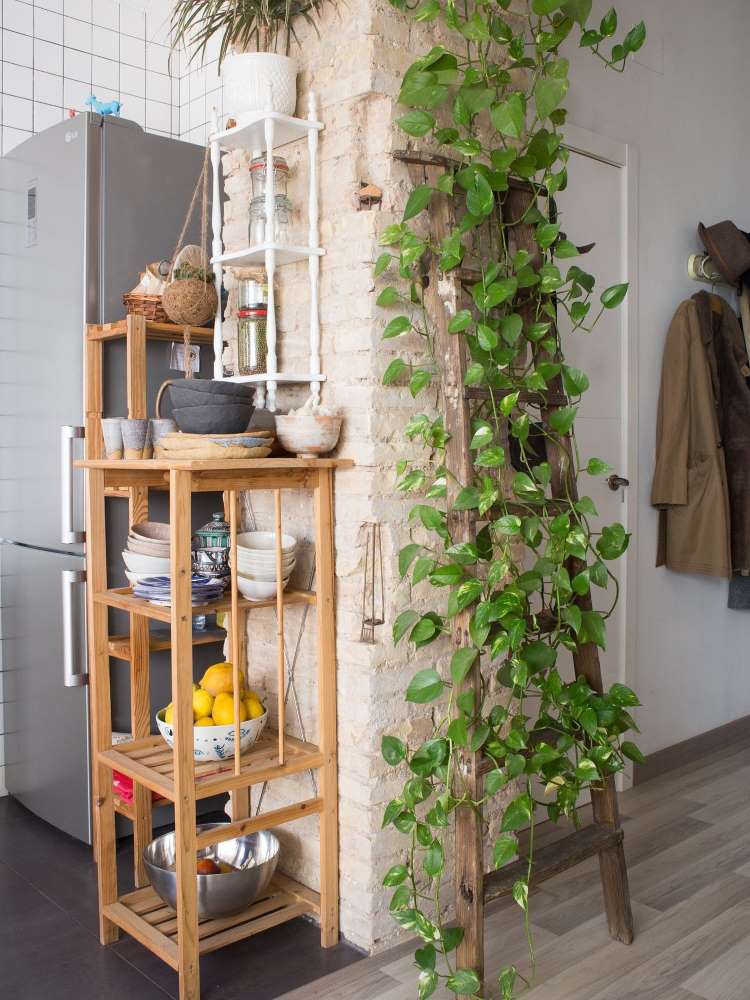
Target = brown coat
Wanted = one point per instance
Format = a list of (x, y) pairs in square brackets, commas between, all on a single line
[(690, 484)]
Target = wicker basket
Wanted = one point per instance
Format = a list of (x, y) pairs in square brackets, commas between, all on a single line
[(150, 306), (190, 301)]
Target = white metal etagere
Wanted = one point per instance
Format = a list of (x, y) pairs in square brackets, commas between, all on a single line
[(269, 130)]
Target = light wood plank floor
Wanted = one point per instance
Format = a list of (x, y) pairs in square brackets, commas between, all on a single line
[(687, 839)]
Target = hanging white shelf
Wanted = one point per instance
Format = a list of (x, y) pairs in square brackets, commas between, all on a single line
[(267, 131), (286, 253), (252, 135)]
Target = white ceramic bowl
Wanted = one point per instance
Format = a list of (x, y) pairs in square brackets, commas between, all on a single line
[(216, 742), (136, 562), (148, 548), (308, 434), (251, 562), (134, 578), (258, 590), (266, 575), (265, 541), (151, 531)]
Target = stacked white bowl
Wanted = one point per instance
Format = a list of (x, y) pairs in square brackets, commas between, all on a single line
[(256, 563), (147, 552)]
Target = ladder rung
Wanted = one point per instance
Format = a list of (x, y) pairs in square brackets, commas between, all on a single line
[(552, 859), (549, 399)]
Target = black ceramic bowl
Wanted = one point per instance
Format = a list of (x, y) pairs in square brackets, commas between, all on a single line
[(213, 418), (192, 393)]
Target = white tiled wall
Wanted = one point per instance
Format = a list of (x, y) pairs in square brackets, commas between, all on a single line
[(55, 53)]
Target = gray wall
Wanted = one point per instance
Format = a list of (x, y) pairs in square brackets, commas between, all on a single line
[(683, 105)]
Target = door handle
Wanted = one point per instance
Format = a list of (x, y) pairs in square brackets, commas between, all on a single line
[(68, 533), (74, 670), (615, 482)]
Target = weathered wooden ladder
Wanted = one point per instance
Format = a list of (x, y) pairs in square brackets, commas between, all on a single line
[(603, 837)]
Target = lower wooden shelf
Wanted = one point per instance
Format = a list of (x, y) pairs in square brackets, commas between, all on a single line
[(144, 916), (119, 645), (123, 599), (149, 761)]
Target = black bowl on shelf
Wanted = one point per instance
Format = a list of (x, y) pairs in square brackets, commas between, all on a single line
[(213, 418)]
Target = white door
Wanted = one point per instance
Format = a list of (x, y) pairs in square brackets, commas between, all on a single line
[(593, 209)]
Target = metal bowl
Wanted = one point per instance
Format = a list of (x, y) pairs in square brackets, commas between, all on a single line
[(255, 854)]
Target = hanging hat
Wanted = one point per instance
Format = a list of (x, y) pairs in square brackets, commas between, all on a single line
[(728, 247)]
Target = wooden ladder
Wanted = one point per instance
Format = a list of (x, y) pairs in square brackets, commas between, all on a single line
[(603, 837)]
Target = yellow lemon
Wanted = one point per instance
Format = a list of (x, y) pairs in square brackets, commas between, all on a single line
[(250, 693), (218, 679), (168, 713), (223, 713), (205, 721), (253, 707), (203, 704)]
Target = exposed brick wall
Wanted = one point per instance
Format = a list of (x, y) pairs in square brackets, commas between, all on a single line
[(355, 68)]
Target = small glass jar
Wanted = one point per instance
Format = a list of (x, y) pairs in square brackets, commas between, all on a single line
[(257, 232), (252, 291), (259, 174), (252, 344)]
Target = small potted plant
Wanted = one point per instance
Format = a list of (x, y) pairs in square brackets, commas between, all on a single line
[(254, 60)]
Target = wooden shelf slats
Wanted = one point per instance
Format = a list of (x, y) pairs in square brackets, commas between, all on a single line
[(154, 331), (146, 918), (119, 645), (122, 598), (150, 762), (552, 859)]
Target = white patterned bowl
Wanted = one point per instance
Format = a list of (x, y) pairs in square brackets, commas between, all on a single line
[(216, 742)]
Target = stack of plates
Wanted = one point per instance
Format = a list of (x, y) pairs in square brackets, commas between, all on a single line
[(250, 444), (157, 589), (256, 563), (147, 552)]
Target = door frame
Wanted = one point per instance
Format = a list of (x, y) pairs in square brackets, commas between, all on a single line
[(624, 156)]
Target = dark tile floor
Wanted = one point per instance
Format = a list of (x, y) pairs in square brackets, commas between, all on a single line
[(49, 945)]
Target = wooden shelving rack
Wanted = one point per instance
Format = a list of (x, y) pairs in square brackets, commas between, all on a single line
[(179, 938)]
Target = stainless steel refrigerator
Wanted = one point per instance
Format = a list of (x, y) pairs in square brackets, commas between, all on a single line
[(83, 207)]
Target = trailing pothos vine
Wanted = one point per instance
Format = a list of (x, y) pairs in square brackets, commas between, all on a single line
[(493, 101)]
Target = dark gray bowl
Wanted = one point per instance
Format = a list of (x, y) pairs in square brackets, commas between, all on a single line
[(212, 386), (186, 394), (213, 418)]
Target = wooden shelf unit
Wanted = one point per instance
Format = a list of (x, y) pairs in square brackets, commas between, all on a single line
[(180, 938)]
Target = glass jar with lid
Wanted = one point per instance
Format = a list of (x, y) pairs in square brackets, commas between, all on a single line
[(259, 175), (257, 233), (252, 345)]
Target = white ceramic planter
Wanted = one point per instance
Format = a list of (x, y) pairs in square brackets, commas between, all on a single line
[(252, 80)]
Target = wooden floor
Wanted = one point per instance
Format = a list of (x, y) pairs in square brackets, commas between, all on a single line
[(687, 838)]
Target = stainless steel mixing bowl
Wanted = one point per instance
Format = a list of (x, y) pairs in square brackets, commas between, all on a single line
[(255, 854)]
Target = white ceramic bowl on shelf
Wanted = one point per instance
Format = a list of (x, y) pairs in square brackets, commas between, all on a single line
[(308, 434), (248, 564), (137, 562), (265, 541), (151, 531), (266, 575), (148, 548), (258, 590), (216, 742)]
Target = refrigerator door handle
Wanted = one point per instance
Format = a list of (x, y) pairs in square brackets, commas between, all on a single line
[(74, 670), (68, 434)]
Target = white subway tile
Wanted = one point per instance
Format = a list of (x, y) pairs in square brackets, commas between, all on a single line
[(17, 48), (12, 137), (197, 113), (132, 81), (48, 57), (46, 115), (158, 116), (132, 22), (48, 88), (77, 34), (157, 58), (105, 73), (75, 94), (18, 80), (18, 16), (157, 27), (48, 25), (78, 8), (132, 51), (17, 112), (158, 88), (105, 43), (56, 5), (106, 13), (134, 109), (77, 65)]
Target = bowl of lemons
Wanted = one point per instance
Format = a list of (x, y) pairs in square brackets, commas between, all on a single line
[(213, 716)]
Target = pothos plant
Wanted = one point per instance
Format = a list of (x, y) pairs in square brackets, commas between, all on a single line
[(494, 102)]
